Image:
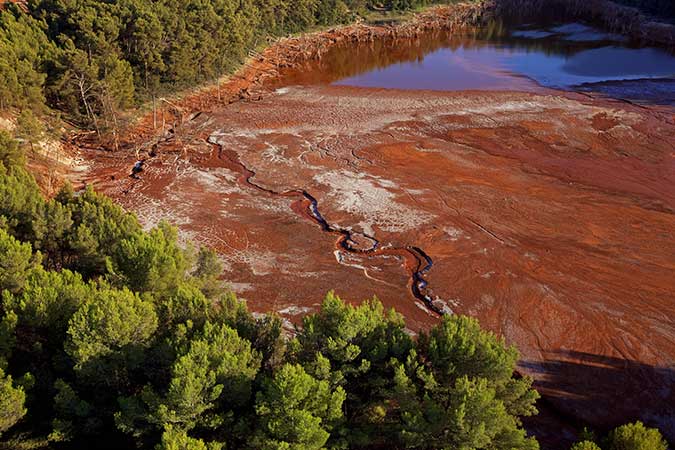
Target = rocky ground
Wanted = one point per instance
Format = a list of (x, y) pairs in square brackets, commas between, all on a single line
[(548, 216)]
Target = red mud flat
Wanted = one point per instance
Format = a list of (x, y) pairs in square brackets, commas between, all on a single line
[(550, 217)]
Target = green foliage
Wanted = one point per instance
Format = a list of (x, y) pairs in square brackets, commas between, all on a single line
[(48, 300), (459, 391), (208, 270), (357, 347), (11, 403), (29, 128), (632, 436), (216, 373), (151, 262), (173, 439), (111, 329), (636, 436), (70, 408), (25, 50), (587, 434), (296, 411), (465, 415), (16, 263), (98, 229), (187, 304), (458, 347), (353, 338), (22, 205), (20, 201), (586, 445), (7, 339), (11, 155)]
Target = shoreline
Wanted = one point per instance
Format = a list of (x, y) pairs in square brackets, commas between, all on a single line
[(253, 77), (249, 81)]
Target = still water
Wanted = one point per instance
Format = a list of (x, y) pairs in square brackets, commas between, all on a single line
[(568, 56)]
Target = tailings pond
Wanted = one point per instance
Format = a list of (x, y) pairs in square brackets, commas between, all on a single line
[(449, 174), (569, 56)]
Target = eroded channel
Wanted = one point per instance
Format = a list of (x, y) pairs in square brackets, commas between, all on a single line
[(417, 262)]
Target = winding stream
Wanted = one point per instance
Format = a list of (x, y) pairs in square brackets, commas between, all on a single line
[(417, 262)]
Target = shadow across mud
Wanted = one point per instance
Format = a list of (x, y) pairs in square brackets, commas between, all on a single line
[(604, 392)]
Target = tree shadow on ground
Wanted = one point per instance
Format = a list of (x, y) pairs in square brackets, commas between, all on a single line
[(603, 392)]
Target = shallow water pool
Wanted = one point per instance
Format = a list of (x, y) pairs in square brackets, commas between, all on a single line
[(563, 56)]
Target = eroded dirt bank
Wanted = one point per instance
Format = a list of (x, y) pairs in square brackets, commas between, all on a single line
[(547, 216)]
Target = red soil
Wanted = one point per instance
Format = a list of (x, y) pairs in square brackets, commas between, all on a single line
[(548, 216)]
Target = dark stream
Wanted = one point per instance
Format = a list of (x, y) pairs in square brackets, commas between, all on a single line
[(569, 56), (417, 262)]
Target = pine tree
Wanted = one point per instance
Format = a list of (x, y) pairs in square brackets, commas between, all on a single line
[(11, 156), (16, 263), (29, 128), (211, 377), (173, 439), (296, 411), (585, 445), (108, 335), (459, 391), (357, 347), (151, 261), (636, 436), (11, 403)]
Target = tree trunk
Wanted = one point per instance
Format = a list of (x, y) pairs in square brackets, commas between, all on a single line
[(87, 107)]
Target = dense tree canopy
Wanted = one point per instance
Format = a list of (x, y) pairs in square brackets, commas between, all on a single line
[(296, 411), (12, 400), (94, 58), (636, 436)]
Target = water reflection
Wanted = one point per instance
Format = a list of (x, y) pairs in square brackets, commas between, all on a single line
[(498, 57)]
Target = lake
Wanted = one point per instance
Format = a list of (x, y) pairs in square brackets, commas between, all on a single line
[(562, 56)]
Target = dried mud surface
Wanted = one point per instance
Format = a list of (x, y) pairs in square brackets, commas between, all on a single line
[(550, 217)]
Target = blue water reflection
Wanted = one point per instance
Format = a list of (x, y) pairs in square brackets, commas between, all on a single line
[(560, 57)]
